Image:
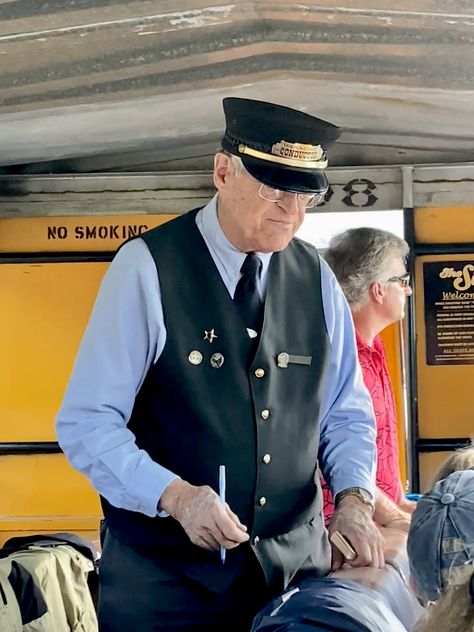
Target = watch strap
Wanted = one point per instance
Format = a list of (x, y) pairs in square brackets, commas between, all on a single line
[(359, 492)]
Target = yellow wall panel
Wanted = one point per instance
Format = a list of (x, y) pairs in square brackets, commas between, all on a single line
[(429, 464), (391, 337), (45, 308), (445, 392), (45, 485), (43, 493), (444, 225)]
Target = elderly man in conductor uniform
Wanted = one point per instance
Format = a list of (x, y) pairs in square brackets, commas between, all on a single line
[(218, 339)]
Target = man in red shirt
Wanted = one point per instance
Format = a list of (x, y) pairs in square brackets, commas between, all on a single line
[(369, 264)]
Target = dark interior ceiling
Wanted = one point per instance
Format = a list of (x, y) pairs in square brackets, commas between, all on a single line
[(97, 85)]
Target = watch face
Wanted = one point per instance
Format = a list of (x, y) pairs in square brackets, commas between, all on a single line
[(366, 495)]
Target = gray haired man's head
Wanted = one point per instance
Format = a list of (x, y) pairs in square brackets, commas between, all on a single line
[(361, 256)]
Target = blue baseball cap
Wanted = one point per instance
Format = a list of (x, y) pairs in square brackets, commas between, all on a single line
[(441, 535)]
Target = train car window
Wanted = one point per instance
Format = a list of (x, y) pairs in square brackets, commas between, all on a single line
[(319, 227)]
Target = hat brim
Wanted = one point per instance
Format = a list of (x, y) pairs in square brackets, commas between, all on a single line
[(286, 178)]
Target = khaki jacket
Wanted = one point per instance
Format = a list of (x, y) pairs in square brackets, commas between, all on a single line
[(60, 573), (10, 615)]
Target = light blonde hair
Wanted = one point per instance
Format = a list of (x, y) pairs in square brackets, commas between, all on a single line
[(454, 610), (462, 459)]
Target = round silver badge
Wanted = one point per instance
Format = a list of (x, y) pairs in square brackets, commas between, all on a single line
[(217, 360), (195, 357)]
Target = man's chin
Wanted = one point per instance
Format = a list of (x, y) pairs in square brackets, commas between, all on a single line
[(276, 241)]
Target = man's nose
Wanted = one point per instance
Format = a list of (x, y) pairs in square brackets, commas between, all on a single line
[(408, 290), (289, 203)]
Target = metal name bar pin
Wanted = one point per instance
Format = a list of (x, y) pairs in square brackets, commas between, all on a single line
[(222, 498)]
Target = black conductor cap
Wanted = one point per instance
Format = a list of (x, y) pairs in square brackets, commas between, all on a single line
[(279, 146)]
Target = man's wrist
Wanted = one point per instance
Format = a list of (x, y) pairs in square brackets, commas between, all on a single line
[(386, 511), (360, 494), (169, 497), (398, 522)]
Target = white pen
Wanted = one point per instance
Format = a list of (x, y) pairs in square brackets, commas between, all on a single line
[(222, 497)]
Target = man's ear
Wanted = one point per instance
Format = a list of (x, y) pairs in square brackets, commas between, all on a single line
[(222, 169), (377, 292)]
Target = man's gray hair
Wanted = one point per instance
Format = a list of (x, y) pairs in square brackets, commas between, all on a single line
[(360, 257), (235, 160)]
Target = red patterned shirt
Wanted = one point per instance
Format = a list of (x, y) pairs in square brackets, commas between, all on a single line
[(376, 378)]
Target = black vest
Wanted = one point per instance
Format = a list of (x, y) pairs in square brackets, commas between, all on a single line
[(191, 418)]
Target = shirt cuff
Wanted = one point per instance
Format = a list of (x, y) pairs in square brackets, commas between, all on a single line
[(161, 513), (149, 487)]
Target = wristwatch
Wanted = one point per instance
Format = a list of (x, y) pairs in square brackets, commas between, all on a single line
[(362, 494)]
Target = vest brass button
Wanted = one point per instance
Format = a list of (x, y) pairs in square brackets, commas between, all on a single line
[(259, 372), (262, 501), (265, 414), (256, 540), (266, 458)]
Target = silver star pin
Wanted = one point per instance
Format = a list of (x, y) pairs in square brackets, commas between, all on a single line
[(210, 335)]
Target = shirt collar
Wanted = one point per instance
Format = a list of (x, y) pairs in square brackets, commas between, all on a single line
[(230, 257)]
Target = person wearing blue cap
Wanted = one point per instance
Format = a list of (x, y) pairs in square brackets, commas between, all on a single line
[(217, 339), (441, 554)]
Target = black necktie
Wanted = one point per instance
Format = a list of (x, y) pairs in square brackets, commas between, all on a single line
[(246, 295)]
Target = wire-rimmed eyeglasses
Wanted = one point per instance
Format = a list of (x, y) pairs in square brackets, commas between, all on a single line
[(403, 279), (304, 200)]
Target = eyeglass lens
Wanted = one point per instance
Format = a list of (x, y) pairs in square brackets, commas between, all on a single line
[(404, 280), (304, 200)]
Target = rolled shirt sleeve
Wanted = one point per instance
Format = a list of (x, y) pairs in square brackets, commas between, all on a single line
[(347, 452)]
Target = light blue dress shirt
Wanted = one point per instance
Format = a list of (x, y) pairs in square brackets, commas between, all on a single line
[(126, 335)]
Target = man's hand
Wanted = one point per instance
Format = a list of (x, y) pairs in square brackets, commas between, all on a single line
[(401, 522), (408, 506), (388, 514), (208, 523), (353, 520)]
